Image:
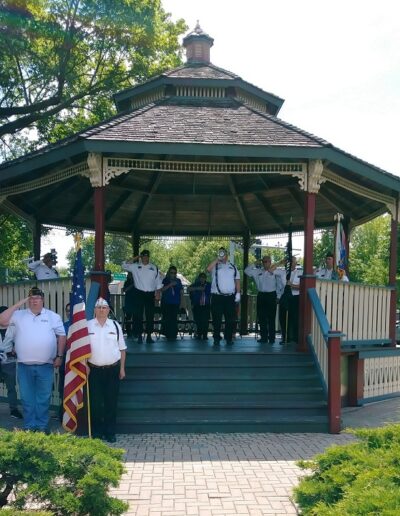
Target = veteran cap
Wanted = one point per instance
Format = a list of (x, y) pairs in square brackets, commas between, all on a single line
[(35, 291), (101, 302), (145, 252)]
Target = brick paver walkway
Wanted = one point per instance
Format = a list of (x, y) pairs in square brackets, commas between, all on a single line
[(222, 474), (215, 474)]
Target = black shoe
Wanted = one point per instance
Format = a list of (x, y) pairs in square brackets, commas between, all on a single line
[(197, 337), (111, 438), (271, 342), (205, 337), (16, 414), (140, 339), (216, 342), (149, 340)]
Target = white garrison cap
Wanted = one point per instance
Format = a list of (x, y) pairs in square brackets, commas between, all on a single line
[(101, 302)]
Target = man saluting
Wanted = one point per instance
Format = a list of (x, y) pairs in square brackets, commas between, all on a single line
[(148, 285)]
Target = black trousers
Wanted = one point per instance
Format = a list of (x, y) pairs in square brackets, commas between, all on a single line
[(104, 389), (266, 313), (144, 301), (294, 319), (201, 316), (223, 306), (283, 317), (170, 320)]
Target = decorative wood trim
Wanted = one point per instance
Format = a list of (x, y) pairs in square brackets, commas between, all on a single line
[(200, 91), (314, 175), (113, 167), (389, 202), (95, 170), (55, 177)]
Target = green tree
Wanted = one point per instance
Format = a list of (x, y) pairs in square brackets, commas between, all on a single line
[(116, 249), (369, 252), (16, 244), (323, 245), (61, 61)]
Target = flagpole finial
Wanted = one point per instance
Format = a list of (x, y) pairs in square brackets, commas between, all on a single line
[(77, 241), (338, 217)]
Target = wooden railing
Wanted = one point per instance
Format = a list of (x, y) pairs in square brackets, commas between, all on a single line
[(325, 346), (56, 292), (361, 312), (381, 375)]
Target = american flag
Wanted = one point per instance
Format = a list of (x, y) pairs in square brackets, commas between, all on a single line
[(78, 349)]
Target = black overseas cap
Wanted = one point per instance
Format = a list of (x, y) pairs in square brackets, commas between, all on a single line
[(35, 291), (145, 252)]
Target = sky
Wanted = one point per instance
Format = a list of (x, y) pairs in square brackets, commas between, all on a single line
[(336, 64)]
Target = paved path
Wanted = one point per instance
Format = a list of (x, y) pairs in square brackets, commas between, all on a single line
[(222, 474)]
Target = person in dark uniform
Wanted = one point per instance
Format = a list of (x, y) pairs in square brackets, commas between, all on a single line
[(129, 303), (148, 284), (200, 296), (266, 279), (170, 303), (225, 293), (107, 368)]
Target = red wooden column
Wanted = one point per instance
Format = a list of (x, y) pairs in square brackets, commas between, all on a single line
[(334, 401), (308, 279), (99, 275), (392, 274)]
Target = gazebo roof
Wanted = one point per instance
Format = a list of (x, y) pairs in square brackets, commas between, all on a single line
[(194, 151)]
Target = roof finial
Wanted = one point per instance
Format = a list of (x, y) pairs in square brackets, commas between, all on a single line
[(198, 44)]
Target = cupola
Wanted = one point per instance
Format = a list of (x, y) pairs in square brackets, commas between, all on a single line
[(197, 44)]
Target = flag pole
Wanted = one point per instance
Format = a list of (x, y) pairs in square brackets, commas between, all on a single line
[(88, 402), (78, 239)]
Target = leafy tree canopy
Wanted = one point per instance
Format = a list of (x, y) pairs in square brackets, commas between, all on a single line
[(370, 251), (16, 244), (61, 61)]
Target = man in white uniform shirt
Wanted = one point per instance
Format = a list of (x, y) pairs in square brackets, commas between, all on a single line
[(328, 272), (266, 279), (148, 285), (107, 368), (39, 338), (43, 269), (225, 292)]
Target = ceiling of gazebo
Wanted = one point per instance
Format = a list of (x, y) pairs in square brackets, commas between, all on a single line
[(175, 203)]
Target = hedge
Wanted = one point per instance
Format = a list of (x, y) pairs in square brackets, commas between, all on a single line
[(357, 479), (59, 473)]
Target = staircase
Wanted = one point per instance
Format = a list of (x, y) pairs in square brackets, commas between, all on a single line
[(192, 387)]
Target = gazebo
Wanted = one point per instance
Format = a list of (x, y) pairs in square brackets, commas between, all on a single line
[(198, 151)]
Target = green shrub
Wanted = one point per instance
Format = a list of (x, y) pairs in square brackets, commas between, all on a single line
[(62, 474), (357, 479)]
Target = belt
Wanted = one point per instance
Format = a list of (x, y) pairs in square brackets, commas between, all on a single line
[(103, 366), (225, 295)]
